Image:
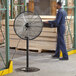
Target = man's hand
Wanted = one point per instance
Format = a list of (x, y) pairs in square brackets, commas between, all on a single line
[(46, 22)]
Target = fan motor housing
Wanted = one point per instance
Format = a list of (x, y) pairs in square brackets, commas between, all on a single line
[(27, 25)]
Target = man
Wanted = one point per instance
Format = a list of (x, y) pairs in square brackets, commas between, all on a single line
[(59, 22)]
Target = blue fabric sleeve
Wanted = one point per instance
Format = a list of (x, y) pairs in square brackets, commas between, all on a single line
[(51, 23), (58, 19), (56, 22)]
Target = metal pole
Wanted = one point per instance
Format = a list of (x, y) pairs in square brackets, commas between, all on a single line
[(25, 9), (7, 33), (75, 24), (66, 4), (19, 8), (11, 9), (27, 54)]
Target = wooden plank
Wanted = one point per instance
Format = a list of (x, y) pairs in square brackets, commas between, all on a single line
[(1, 37), (46, 40), (31, 6), (53, 8), (33, 44)]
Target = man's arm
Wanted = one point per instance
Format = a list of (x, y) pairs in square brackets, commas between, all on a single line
[(47, 24), (57, 21)]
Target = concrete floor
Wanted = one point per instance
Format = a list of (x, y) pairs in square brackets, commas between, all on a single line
[(47, 65)]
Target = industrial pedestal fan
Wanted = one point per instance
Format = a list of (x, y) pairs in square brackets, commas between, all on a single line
[(28, 26)]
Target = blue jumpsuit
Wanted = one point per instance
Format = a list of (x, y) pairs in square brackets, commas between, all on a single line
[(59, 22)]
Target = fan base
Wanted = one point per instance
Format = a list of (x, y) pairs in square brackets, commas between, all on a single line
[(30, 69)]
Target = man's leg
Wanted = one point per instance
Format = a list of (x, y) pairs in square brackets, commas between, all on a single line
[(63, 46), (57, 53)]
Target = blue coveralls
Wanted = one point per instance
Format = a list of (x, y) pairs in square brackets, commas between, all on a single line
[(59, 22)]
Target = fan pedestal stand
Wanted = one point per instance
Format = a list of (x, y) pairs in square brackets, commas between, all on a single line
[(28, 69), (24, 24)]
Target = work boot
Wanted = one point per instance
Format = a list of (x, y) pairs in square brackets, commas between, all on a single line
[(63, 58), (55, 56)]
